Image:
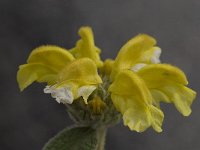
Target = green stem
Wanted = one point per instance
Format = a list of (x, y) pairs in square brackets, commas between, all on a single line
[(101, 137)]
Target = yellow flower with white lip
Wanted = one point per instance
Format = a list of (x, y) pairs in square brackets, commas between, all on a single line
[(68, 78), (78, 78), (140, 83)]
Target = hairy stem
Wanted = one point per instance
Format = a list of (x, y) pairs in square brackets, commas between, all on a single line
[(101, 137)]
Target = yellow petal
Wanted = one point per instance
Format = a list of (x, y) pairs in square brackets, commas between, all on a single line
[(29, 73), (169, 83), (181, 96), (137, 119), (50, 55), (132, 98), (134, 112), (157, 118), (143, 119), (129, 83), (156, 75), (85, 47), (158, 97), (136, 115), (82, 71), (131, 52)]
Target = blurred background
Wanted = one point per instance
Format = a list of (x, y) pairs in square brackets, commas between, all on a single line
[(30, 118)]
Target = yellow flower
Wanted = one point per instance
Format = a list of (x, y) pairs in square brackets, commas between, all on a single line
[(140, 84), (135, 81), (85, 47), (68, 78), (168, 84), (132, 98)]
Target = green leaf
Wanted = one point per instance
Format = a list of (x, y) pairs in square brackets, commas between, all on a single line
[(77, 138)]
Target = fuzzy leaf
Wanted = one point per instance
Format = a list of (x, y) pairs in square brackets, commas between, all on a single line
[(77, 138)]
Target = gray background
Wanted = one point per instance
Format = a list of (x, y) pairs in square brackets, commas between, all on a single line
[(29, 119)]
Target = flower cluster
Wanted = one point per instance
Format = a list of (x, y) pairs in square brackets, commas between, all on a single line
[(134, 84)]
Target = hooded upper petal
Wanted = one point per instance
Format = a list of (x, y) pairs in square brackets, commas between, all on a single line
[(139, 49), (133, 99), (43, 65), (85, 47), (83, 71), (51, 55)]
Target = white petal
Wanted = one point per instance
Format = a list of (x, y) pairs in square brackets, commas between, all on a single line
[(62, 95), (47, 89), (85, 92), (137, 67), (155, 57)]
